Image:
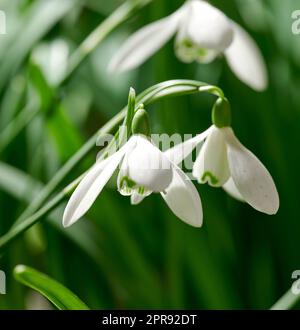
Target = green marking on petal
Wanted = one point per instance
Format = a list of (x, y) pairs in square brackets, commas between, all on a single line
[(187, 43), (186, 50), (141, 190), (210, 178), (126, 186), (127, 182), (201, 52)]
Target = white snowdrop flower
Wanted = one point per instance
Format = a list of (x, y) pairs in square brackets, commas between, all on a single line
[(203, 32), (143, 169), (224, 162)]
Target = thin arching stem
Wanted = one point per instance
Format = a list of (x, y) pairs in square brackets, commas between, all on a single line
[(33, 214)]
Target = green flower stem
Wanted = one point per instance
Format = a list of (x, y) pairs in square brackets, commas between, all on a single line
[(119, 16), (152, 94), (212, 90), (93, 40), (31, 220), (287, 301), (17, 125), (67, 167)]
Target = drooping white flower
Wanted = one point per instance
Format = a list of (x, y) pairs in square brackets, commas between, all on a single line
[(202, 33), (143, 169), (224, 162)]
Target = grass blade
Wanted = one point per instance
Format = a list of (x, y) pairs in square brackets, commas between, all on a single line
[(55, 292)]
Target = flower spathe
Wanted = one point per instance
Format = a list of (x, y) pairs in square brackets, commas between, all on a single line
[(224, 162), (202, 33), (143, 169)]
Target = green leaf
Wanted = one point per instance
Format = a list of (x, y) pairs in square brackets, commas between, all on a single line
[(37, 22), (39, 83), (55, 292), (17, 183), (63, 132), (25, 188)]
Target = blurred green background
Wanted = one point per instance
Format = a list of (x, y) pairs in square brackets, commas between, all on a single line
[(122, 256)]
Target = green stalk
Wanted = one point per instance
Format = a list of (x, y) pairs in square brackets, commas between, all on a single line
[(17, 125), (155, 92), (152, 94), (93, 40), (119, 16)]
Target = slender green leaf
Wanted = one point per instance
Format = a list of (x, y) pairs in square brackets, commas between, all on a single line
[(41, 17), (55, 292)]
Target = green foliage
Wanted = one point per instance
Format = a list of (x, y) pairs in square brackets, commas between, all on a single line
[(123, 256), (60, 296)]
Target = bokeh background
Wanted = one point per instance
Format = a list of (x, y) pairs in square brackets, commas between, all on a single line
[(122, 256)]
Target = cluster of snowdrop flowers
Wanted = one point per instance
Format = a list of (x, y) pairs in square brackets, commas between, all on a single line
[(203, 33), (144, 169)]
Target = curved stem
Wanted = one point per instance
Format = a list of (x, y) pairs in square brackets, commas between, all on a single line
[(152, 94)]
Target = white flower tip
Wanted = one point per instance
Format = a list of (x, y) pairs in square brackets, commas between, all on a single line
[(261, 84), (183, 199), (246, 60), (271, 205), (69, 219), (259, 81), (251, 178), (197, 222)]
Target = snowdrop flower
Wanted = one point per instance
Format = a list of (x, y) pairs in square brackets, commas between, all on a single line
[(224, 162), (202, 33), (144, 169)]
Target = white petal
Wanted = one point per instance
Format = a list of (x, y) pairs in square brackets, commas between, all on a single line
[(211, 164), (145, 42), (232, 190), (124, 187), (246, 61), (90, 187), (137, 198), (183, 199), (207, 26), (149, 167), (179, 152), (251, 178)]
